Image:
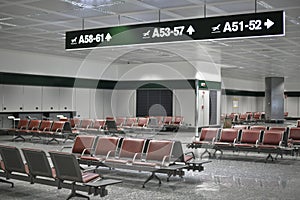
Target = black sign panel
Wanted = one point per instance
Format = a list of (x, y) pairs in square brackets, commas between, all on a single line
[(234, 26)]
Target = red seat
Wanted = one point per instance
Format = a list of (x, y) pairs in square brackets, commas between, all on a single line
[(97, 125), (104, 146), (294, 136), (85, 124), (131, 148), (249, 139), (228, 137), (271, 143), (261, 128), (207, 136), (33, 125), (120, 121), (130, 122), (83, 144), (56, 130)]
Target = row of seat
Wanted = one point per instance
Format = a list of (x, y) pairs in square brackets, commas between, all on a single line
[(40, 128), (156, 156), (268, 141), (139, 123), (65, 172)]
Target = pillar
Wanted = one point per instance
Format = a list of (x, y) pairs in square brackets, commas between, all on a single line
[(274, 99)]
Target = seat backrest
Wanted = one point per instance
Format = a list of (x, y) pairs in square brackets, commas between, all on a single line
[(83, 142), (257, 115), (229, 135), (178, 120), (57, 125), (167, 120), (243, 116), (37, 162), (130, 121), (272, 137), (85, 123), (298, 123), (99, 123), (23, 123), (277, 128), (177, 152), (66, 166), (120, 121), (33, 124), (207, 134), (75, 122), (143, 121), (12, 159), (157, 149), (294, 133), (250, 136), (106, 144), (131, 146), (261, 128), (45, 124)]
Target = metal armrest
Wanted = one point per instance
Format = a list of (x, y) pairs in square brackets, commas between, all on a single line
[(83, 152), (111, 152), (58, 130), (46, 129), (135, 155), (164, 160)]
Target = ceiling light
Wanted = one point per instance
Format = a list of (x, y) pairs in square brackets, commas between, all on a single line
[(294, 21), (6, 18), (264, 4), (94, 4)]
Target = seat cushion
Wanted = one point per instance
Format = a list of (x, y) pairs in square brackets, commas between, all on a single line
[(121, 161), (88, 176), (149, 164), (265, 146), (91, 158), (245, 145)]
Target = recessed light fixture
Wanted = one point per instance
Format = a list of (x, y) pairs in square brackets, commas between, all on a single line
[(264, 4)]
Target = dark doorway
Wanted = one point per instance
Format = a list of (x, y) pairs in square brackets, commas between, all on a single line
[(154, 103)]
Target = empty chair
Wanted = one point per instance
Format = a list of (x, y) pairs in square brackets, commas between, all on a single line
[(271, 143), (33, 125), (97, 126), (83, 144), (120, 121), (103, 148), (130, 122), (227, 139), (142, 122), (207, 138), (111, 128), (38, 163), (75, 122), (85, 124), (45, 125), (158, 155), (130, 148), (294, 136), (67, 169), (13, 162), (56, 130), (278, 128), (23, 123), (167, 120), (249, 139), (2, 169)]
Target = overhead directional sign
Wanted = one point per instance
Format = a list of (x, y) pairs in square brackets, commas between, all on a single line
[(233, 26)]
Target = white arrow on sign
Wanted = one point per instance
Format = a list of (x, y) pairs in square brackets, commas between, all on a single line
[(108, 37), (269, 23), (190, 30)]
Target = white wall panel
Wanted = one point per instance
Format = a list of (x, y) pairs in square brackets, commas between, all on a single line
[(97, 104), (107, 103), (50, 98), (1, 97), (82, 102), (32, 98), (12, 97), (292, 106), (185, 105), (66, 98), (124, 102)]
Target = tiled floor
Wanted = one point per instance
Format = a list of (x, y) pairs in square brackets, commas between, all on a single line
[(234, 176)]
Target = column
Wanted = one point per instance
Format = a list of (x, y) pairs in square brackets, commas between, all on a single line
[(274, 99)]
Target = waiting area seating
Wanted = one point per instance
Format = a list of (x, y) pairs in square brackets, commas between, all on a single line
[(270, 140), (155, 156), (66, 172), (42, 128)]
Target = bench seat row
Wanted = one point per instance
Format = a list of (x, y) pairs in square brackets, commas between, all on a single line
[(268, 141), (65, 172), (156, 156), (42, 128)]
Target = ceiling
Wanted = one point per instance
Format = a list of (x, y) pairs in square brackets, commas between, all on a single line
[(40, 26)]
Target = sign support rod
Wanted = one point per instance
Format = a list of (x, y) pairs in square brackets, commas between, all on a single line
[(82, 23), (196, 107)]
